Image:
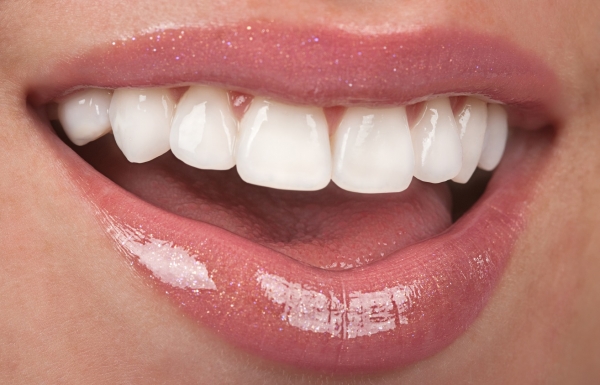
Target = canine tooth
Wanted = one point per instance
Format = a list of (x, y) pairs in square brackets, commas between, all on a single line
[(495, 137), (372, 151), (204, 129), (471, 121), (284, 147), (84, 115), (438, 153), (141, 121)]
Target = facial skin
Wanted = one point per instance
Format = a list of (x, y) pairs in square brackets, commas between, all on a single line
[(73, 310)]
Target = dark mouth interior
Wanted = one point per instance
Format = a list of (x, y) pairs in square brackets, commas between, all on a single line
[(331, 228)]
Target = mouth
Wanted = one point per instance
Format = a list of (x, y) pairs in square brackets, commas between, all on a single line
[(311, 196)]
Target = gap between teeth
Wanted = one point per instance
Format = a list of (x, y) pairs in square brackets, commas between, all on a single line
[(373, 150)]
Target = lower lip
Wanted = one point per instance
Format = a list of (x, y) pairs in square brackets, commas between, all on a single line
[(396, 311)]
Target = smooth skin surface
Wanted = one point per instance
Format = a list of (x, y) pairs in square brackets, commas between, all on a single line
[(73, 311)]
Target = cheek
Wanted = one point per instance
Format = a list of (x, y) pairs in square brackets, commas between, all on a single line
[(553, 279)]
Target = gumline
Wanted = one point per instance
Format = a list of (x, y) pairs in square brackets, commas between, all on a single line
[(239, 114)]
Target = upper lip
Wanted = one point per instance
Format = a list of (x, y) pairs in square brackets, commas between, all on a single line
[(319, 66), (444, 281)]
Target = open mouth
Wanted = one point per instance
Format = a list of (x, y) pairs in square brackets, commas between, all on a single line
[(320, 204)]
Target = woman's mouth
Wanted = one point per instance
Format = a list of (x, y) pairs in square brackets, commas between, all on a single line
[(289, 188)]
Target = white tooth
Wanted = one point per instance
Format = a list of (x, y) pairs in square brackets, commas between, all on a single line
[(495, 137), (438, 153), (472, 121), (204, 129), (141, 121), (284, 147), (84, 115), (372, 151)]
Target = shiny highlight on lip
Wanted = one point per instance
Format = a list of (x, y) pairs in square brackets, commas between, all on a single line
[(357, 314), (170, 264)]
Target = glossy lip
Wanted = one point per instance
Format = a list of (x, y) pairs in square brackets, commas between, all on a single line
[(387, 314), (384, 315), (319, 66)]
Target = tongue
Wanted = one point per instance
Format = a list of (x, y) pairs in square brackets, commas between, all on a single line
[(330, 229)]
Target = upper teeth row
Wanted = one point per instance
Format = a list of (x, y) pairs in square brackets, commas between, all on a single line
[(288, 147)]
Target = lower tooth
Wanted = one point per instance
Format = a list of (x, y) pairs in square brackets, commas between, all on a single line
[(495, 137), (372, 151), (284, 147), (472, 122), (84, 115), (204, 129), (141, 121), (438, 152)]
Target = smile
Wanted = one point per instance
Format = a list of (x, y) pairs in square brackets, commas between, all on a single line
[(289, 188)]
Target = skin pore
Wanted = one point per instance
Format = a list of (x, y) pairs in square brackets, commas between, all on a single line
[(74, 311)]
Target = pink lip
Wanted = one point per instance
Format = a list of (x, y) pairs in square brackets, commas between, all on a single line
[(387, 314), (320, 66), (384, 315)]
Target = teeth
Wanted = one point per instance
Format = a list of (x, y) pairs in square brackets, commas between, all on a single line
[(372, 151), (141, 121), (495, 137), (84, 115), (287, 147), (284, 147), (471, 120), (438, 152), (204, 129)]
